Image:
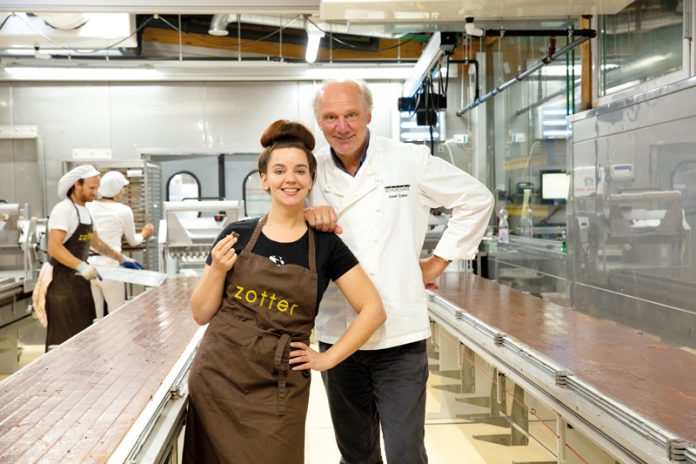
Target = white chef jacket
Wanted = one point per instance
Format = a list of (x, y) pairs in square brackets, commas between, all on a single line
[(113, 221), (384, 214)]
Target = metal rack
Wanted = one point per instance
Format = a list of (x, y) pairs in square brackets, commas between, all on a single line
[(143, 195)]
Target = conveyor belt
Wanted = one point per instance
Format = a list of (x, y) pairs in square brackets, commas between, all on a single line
[(78, 402), (621, 366)]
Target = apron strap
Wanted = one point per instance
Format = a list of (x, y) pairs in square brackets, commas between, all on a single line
[(281, 366), (312, 251), (255, 235), (91, 221)]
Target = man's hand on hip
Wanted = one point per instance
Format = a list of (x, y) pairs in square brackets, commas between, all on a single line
[(432, 268), (323, 218)]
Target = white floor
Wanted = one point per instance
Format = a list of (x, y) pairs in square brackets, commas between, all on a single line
[(447, 440)]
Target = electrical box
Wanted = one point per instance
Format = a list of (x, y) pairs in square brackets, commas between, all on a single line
[(622, 172), (462, 139)]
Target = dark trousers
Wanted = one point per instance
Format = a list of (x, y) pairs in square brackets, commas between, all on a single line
[(379, 387)]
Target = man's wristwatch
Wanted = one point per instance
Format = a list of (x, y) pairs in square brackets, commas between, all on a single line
[(447, 261)]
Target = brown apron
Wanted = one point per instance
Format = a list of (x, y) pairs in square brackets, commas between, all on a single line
[(246, 404), (69, 303)]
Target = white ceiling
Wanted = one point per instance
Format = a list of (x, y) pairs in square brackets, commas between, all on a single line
[(29, 36), (447, 10), (353, 10)]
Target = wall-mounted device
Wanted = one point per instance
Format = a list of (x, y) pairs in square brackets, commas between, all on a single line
[(555, 185), (622, 172)]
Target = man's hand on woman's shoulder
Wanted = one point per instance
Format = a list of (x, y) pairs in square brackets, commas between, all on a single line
[(323, 218)]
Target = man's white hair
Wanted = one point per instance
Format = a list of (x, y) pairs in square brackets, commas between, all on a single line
[(361, 84)]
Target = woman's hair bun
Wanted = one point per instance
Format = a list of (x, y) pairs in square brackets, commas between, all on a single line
[(283, 131)]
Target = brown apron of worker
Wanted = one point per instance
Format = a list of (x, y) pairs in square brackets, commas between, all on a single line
[(247, 405), (69, 303)]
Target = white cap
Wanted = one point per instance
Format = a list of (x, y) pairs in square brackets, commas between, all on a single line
[(111, 183), (84, 171)]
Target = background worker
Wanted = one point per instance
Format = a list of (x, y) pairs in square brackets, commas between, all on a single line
[(69, 307), (113, 220), (382, 191)]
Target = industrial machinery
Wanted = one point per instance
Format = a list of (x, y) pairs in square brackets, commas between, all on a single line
[(19, 257), (188, 230), (20, 260)]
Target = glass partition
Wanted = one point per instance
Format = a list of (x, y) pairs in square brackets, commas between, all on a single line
[(633, 209), (640, 43), (528, 129)]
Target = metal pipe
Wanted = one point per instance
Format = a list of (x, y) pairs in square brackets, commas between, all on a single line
[(591, 33), (524, 74)]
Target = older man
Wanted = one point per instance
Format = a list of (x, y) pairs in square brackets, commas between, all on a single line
[(382, 192)]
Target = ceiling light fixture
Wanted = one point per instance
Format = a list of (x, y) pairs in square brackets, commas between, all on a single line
[(60, 73), (52, 71), (314, 35)]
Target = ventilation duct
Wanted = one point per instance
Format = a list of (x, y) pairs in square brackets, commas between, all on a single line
[(64, 21), (219, 23)]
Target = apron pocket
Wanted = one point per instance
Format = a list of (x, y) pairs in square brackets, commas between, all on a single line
[(235, 364)]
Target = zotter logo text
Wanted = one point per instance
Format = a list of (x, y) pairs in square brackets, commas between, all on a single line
[(397, 191), (264, 300), (85, 237)]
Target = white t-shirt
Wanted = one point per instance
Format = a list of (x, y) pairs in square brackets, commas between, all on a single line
[(64, 217), (114, 220)]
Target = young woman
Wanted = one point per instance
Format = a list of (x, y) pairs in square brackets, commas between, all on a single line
[(260, 292)]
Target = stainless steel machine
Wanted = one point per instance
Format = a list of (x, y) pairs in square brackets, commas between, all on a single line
[(20, 260), (20, 256), (188, 230)]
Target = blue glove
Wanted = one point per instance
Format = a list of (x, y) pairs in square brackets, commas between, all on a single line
[(130, 263)]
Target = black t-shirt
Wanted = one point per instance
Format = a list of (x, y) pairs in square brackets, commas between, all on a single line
[(333, 256)]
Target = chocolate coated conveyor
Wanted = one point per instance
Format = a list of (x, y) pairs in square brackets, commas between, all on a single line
[(630, 393), (107, 393), (117, 391)]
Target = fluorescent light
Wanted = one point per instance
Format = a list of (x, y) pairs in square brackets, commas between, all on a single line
[(555, 133), (554, 122), (314, 35), (79, 73), (560, 70), (36, 70), (430, 55), (366, 73)]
